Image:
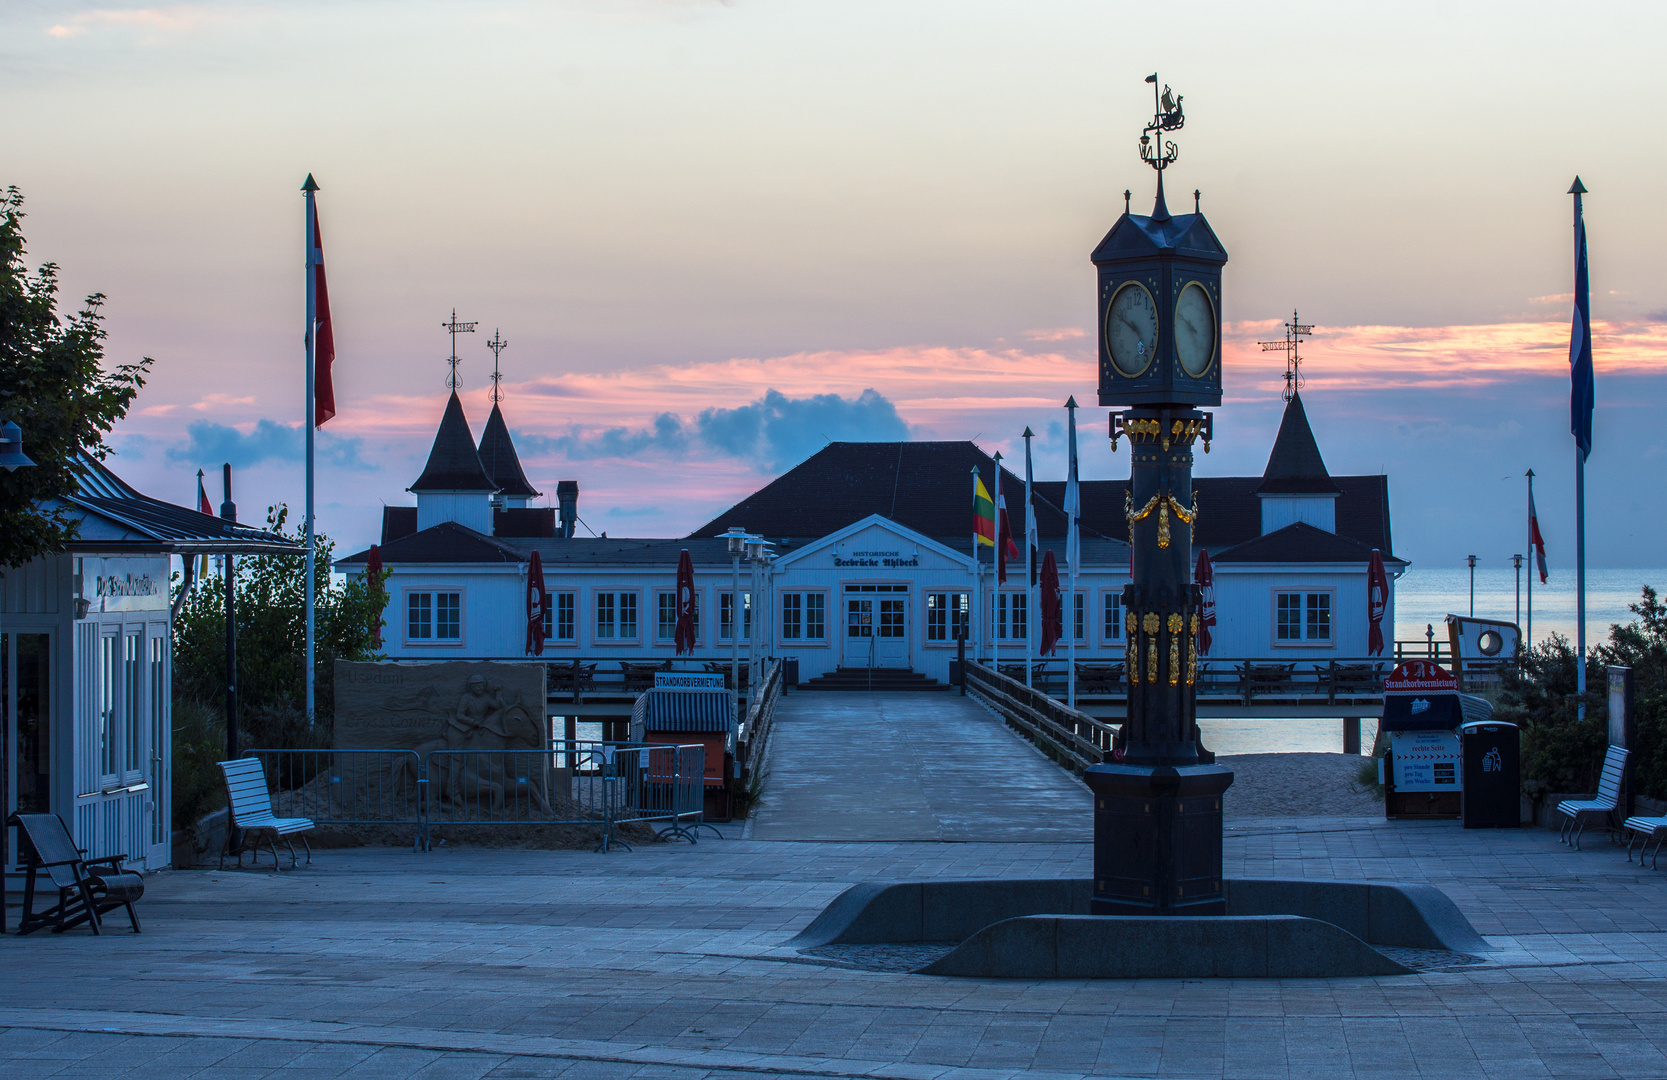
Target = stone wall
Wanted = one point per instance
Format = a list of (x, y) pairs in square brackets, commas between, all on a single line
[(445, 705)]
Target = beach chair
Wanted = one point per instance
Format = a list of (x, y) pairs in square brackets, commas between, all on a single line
[(1577, 812), (87, 888), (1642, 830), (251, 813)]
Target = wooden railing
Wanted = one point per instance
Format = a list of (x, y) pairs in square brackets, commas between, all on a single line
[(752, 738), (1070, 736)]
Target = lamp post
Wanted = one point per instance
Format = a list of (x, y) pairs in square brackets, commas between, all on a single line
[(1516, 564), (737, 538), (12, 458), (750, 621), (1471, 559)]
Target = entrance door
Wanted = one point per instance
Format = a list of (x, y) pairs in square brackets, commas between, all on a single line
[(891, 641), (859, 632), (161, 747), (26, 711)]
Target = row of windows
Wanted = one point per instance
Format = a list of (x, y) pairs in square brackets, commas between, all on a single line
[(438, 616)]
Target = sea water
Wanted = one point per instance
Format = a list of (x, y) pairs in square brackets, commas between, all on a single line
[(1424, 597)]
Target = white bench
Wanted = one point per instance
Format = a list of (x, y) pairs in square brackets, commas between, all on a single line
[(1577, 812), (1645, 829), (251, 811)]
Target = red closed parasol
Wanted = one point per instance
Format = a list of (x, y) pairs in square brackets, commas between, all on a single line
[(373, 582), (685, 633), (1204, 576), (1053, 626), (1377, 602), (537, 598)]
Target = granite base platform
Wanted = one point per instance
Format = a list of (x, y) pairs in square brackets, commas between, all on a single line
[(1041, 928)]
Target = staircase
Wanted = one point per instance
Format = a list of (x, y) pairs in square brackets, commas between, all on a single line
[(880, 679)]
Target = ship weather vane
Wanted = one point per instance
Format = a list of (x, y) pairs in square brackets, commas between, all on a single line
[(455, 328), (497, 345), (1166, 116), (1295, 331)]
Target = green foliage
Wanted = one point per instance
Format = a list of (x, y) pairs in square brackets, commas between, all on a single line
[(199, 743), (54, 386), (1642, 646), (271, 636), (1562, 754)]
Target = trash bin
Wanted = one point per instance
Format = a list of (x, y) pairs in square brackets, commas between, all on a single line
[(1491, 756), (790, 671)]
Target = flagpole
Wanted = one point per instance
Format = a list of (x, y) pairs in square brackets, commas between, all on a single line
[(309, 188), (1580, 423), (996, 613), (974, 617), (1073, 549), (1030, 580), (1533, 563)]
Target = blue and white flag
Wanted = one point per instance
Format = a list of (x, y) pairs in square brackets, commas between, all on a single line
[(1073, 497), (1583, 392)]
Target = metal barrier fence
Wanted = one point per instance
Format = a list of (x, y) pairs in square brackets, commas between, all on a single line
[(569, 783)]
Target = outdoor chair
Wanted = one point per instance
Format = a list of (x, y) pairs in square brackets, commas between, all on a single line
[(251, 813), (1642, 830), (640, 676), (1099, 678), (87, 888), (1577, 812)]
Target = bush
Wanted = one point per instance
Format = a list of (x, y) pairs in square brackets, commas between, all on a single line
[(199, 744)]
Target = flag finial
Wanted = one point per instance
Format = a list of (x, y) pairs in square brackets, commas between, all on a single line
[(1071, 402), (312, 185), (1578, 188), (1029, 434)]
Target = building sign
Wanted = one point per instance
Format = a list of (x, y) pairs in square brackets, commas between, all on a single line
[(1420, 677), (125, 584), (888, 559), (1425, 760)]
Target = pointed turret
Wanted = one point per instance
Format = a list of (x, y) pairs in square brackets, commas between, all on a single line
[(502, 464), (1295, 486), (454, 486), (1295, 466)]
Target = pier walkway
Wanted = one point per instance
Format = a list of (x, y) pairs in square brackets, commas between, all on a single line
[(911, 767)]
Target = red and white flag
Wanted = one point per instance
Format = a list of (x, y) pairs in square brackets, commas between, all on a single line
[(324, 341), (1535, 540)]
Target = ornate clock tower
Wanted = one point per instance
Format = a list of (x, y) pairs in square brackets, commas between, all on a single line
[(1157, 809)]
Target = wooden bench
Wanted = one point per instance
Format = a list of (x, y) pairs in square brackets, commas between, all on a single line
[(1265, 678), (250, 812), (1645, 829), (1099, 678), (1579, 811), (87, 888)]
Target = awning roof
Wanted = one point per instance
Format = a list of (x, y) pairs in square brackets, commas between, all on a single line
[(688, 710), (152, 525)]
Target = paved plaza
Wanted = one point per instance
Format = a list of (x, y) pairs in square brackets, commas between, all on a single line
[(671, 961)]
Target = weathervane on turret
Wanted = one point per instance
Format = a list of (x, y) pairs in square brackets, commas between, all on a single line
[(497, 345), (1160, 153), (1295, 331), (455, 328)]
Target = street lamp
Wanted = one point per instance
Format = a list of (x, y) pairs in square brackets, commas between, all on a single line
[(1516, 564), (737, 538), (12, 457), (1472, 560)]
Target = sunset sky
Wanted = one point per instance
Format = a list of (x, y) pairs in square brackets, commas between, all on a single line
[(717, 235)]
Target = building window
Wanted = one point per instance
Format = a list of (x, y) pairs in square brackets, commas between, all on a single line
[(1113, 616), (133, 662), (665, 616), (616, 616), (1011, 616), (946, 615), (1302, 616), (109, 734), (434, 616), (558, 616), (1079, 616), (804, 616), (726, 615)]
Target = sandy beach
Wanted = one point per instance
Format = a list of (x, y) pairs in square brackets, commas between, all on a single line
[(1297, 785)]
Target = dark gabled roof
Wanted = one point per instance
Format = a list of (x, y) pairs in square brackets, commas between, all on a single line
[(447, 542), (924, 486), (524, 521), (1183, 234), (453, 463), (1299, 542), (498, 457), (398, 521), (155, 525), (1295, 465), (1230, 513)]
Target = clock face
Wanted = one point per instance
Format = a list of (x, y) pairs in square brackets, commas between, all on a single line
[(1195, 330), (1132, 329)]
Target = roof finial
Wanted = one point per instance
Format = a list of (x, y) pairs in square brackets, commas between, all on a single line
[(455, 328), (1295, 331), (1196, 196), (1161, 153), (497, 345), (1127, 195)]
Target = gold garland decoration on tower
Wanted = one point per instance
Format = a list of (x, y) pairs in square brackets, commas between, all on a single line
[(1192, 653), (1176, 624), (1152, 624), (1131, 647)]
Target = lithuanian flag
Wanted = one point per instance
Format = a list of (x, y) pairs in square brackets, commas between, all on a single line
[(983, 513)]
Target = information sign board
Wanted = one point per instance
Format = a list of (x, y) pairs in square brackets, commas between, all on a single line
[(1425, 760)]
